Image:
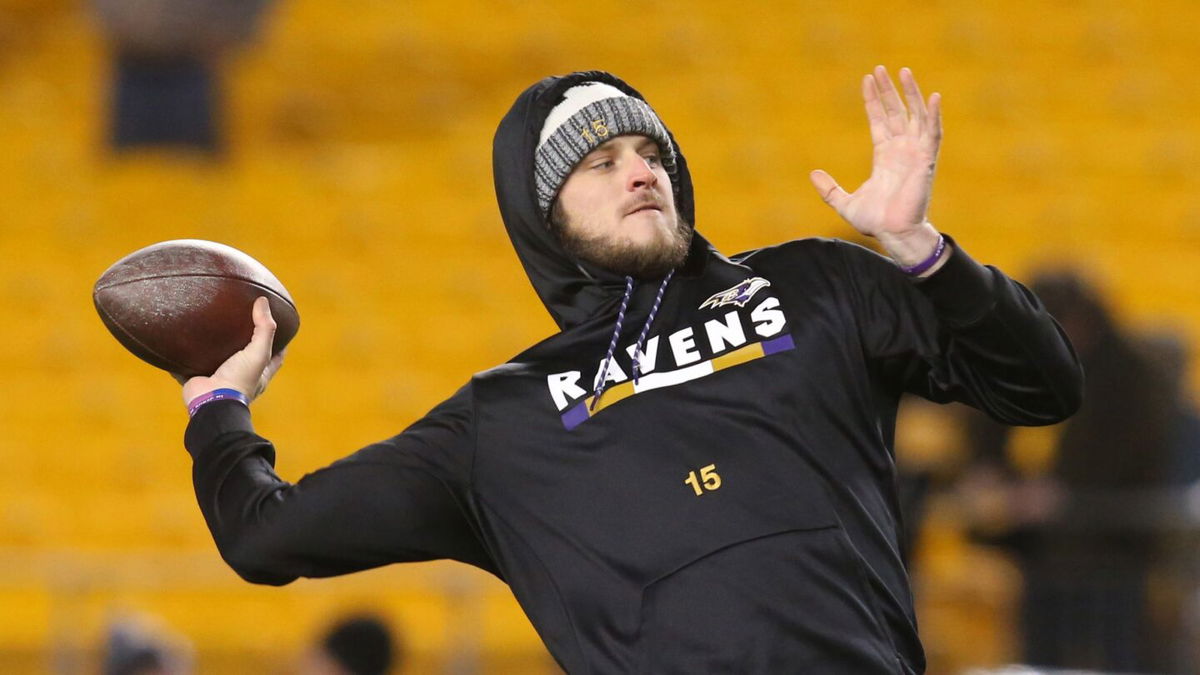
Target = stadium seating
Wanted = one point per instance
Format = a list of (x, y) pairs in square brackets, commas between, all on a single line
[(359, 171)]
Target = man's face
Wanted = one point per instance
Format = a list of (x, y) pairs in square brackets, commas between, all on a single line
[(617, 210)]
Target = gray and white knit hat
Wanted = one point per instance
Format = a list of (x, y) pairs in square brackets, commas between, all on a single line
[(590, 114)]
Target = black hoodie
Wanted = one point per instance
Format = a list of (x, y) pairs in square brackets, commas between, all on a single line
[(733, 511)]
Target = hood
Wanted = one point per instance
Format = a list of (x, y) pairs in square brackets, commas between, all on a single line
[(572, 291)]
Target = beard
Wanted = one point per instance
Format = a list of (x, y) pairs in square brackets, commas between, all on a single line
[(621, 256)]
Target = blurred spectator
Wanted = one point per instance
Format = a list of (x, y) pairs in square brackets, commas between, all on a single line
[(358, 645), (167, 64), (1167, 351), (929, 458), (1084, 525), (1178, 580), (133, 647)]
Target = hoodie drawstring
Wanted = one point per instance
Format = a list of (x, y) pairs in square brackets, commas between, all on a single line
[(612, 345), (641, 341)]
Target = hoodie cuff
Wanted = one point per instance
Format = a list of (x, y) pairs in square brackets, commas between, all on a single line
[(962, 290), (214, 420)]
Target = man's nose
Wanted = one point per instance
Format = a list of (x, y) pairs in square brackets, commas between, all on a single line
[(640, 174)]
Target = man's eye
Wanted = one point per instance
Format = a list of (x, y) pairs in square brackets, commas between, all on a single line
[(652, 159), (602, 164)]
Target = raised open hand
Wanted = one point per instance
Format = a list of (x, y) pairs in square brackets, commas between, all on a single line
[(892, 204)]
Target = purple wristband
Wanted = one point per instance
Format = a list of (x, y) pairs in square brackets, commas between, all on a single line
[(928, 262), (216, 395)]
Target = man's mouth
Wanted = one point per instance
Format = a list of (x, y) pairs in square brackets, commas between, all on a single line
[(648, 206)]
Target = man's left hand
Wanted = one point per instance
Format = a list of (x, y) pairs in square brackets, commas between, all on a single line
[(892, 204)]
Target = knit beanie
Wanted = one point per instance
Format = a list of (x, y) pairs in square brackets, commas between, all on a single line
[(589, 115)]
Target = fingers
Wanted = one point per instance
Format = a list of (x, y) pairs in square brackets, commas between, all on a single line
[(912, 96), (890, 116), (897, 118), (275, 364), (251, 367), (876, 115), (935, 117), (273, 367), (830, 191), (248, 369)]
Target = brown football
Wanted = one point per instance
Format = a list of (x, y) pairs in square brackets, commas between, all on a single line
[(184, 305)]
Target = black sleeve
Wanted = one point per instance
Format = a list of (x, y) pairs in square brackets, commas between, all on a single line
[(967, 333), (399, 500)]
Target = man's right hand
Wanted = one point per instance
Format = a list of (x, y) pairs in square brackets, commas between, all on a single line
[(249, 370)]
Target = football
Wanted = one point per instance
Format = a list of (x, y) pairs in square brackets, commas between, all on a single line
[(184, 305)]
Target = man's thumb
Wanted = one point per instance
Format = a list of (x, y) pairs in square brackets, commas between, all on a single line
[(828, 188), (264, 327)]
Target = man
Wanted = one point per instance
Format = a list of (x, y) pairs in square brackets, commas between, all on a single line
[(1089, 527), (355, 645), (695, 474)]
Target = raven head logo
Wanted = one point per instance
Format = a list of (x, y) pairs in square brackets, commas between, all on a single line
[(738, 295)]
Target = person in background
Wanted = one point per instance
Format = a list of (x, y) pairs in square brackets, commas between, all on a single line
[(167, 65), (1085, 524), (356, 645), (134, 646)]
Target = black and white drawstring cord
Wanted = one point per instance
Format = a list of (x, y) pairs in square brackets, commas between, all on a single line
[(641, 341)]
